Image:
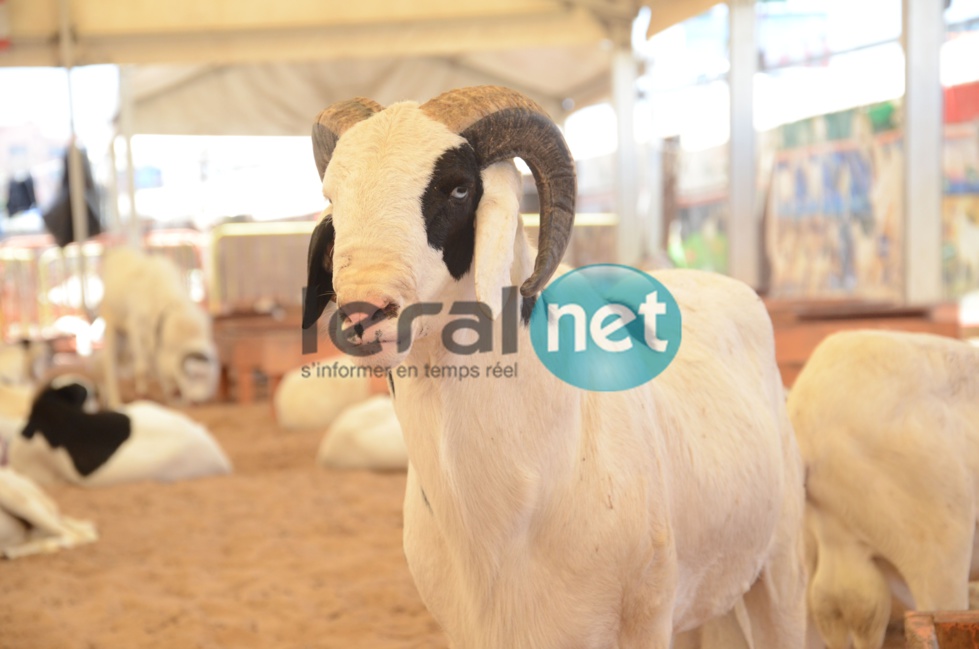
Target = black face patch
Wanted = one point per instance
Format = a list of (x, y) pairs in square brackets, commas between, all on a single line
[(319, 282), (449, 207), (89, 439)]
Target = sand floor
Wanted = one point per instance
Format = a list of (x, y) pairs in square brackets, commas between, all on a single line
[(281, 554)]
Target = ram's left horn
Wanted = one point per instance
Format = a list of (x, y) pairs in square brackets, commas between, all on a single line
[(501, 124)]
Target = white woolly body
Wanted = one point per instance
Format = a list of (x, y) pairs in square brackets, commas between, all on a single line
[(20, 365), (15, 401), (365, 436), (538, 515), (30, 522), (313, 399), (164, 445), (888, 427), (145, 300)]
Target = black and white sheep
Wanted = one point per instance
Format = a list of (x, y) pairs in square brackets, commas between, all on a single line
[(61, 442), (538, 515)]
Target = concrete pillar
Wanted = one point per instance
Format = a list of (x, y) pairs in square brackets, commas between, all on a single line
[(744, 227), (625, 71), (924, 33)]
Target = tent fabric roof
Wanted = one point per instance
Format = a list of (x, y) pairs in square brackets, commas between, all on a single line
[(255, 67), (284, 98)]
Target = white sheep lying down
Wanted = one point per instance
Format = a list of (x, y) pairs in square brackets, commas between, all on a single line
[(30, 521), (313, 395), (24, 362), (366, 435), (538, 515), (168, 336), (15, 401), (888, 427)]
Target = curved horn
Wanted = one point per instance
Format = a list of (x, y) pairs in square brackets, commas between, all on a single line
[(500, 124), (333, 121)]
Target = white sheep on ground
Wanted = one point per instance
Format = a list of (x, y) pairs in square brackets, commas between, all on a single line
[(888, 428), (15, 401), (313, 395), (538, 515), (30, 522), (365, 436), (61, 442), (168, 336), (23, 363)]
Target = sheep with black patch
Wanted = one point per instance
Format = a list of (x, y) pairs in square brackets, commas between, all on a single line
[(168, 336), (61, 442), (538, 515)]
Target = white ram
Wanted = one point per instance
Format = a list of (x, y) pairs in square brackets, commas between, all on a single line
[(30, 521), (365, 436), (538, 515), (313, 395), (888, 428), (168, 335), (23, 363)]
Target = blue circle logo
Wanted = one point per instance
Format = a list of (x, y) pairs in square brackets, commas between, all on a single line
[(606, 327)]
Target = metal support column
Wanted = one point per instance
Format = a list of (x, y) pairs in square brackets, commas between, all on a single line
[(744, 227), (134, 235), (625, 71), (76, 178), (924, 33)]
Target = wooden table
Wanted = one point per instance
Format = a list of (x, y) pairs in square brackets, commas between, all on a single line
[(270, 344)]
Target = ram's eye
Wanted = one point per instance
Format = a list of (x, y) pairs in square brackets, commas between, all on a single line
[(460, 192)]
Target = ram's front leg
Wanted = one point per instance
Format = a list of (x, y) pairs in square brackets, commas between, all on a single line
[(168, 385), (110, 366), (141, 347), (647, 614)]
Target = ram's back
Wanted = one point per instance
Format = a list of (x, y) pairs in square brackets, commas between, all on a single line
[(887, 407), (734, 467), (136, 280)]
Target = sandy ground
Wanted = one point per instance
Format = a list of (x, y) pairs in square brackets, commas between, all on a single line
[(281, 554)]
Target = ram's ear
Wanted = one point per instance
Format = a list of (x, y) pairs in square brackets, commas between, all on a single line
[(319, 281), (74, 394), (497, 224)]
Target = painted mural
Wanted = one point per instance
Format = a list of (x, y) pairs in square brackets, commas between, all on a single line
[(834, 222), (960, 206)]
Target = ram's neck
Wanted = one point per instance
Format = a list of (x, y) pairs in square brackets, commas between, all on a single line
[(484, 429)]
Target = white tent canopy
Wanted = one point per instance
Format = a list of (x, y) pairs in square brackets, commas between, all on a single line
[(257, 67), (267, 68), (283, 98)]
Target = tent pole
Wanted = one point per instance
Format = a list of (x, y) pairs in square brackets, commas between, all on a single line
[(744, 233), (126, 130), (625, 71), (924, 33), (113, 186), (76, 180)]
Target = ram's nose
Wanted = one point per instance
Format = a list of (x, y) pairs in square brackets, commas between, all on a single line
[(360, 315)]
